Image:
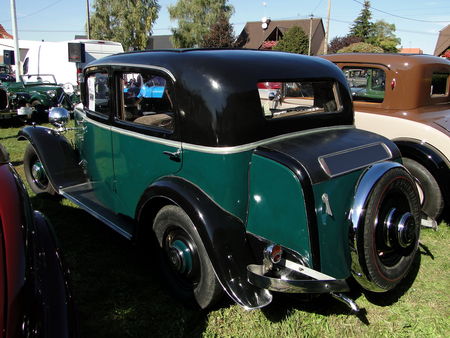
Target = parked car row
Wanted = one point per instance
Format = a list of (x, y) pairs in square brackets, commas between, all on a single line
[(251, 178)]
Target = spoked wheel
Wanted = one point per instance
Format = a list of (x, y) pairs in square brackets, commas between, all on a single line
[(35, 173), (391, 229), (185, 263)]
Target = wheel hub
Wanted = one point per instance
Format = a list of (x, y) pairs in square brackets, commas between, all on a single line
[(37, 170), (399, 229), (180, 257)]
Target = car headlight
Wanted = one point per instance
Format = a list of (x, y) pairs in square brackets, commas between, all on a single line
[(51, 93)]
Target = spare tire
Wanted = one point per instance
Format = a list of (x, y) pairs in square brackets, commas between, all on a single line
[(390, 230)]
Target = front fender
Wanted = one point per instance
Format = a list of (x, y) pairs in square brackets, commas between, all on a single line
[(57, 155), (223, 236)]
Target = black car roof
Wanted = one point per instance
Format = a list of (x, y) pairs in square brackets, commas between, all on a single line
[(217, 89)]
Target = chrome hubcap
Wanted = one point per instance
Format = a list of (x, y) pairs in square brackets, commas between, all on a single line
[(399, 229), (38, 173)]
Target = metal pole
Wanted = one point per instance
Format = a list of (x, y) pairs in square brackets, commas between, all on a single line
[(310, 33), (16, 40), (88, 20), (325, 50)]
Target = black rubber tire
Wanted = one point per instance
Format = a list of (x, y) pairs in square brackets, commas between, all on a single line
[(433, 200), (38, 186), (387, 266), (200, 287)]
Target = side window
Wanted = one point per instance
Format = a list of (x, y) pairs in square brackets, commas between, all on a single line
[(146, 99), (439, 84), (366, 83), (98, 98)]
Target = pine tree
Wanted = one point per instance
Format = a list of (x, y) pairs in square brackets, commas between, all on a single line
[(362, 26), (294, 41)]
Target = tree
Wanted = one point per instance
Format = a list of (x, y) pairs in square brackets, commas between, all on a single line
[(361, 47), (220, 35), (362, 25), (340, 42), (383, 36), (126, 21), (294, 41), (195, 19)]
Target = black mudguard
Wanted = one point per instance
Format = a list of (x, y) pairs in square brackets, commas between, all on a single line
[(431, 159), (57, 155), (223, 236)]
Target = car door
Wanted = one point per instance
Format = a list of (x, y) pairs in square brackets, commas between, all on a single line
[(144, 133), (93, 136)]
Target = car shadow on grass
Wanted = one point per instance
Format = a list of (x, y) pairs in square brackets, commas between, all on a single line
[(117, 289), (284, 305)]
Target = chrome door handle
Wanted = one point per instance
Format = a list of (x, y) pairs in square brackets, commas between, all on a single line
[(174, 156)]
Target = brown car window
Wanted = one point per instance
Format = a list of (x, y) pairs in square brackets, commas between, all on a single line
[(439, 84), (146, 99), (366, 83)]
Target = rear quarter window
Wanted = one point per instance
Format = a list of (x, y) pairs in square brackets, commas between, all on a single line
[(366, 83), (439, 84)]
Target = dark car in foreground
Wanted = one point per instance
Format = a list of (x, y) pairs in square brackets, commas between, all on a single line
[(243, 167), (407, 99), (35, 300)]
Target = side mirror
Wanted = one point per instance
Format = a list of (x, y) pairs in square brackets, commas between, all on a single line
[(58, 116)]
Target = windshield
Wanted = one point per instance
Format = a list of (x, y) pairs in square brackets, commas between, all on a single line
[(33, 79), (293, 98)]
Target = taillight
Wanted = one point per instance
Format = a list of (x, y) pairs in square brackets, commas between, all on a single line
[(269, 85)]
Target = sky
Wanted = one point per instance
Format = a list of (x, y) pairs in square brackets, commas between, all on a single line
[(417, 22)]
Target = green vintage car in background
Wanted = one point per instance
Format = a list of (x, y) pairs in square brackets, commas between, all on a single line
[(242, 169), (38, 92)]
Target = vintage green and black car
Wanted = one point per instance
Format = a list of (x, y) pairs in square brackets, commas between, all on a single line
[(39, 92), (241, 192)]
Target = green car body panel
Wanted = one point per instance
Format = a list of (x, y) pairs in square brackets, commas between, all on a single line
[(277, 207)]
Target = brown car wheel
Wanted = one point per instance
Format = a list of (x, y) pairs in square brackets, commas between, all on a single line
[(432, 199)]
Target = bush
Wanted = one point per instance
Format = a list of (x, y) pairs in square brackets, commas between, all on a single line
[(361, 47)]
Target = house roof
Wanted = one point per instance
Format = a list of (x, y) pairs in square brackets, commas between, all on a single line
[(411, 51), (443, 41), (4, 34), (253, 36)]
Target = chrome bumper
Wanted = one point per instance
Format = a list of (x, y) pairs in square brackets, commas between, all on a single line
[(290, 277)]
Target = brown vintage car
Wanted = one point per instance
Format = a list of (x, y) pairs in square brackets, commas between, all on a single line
[(406, 98)]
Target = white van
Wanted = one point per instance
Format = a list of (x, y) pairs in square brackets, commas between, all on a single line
[(53, 58)]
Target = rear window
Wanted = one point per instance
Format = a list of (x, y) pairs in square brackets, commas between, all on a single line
[(439, 84), (366, 83), (295, 98)]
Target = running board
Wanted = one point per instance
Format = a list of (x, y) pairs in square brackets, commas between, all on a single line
[(83, 196)]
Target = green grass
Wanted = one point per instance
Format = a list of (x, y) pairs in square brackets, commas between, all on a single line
[(118, 291)]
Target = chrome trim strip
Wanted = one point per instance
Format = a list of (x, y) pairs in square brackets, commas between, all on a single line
[(209, 149), (135, 65), (253, 145), (356, 217), (97, 215)]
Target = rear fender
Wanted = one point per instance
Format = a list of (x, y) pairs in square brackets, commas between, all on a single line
[(222, 234), (432, 159), (59, 158)]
